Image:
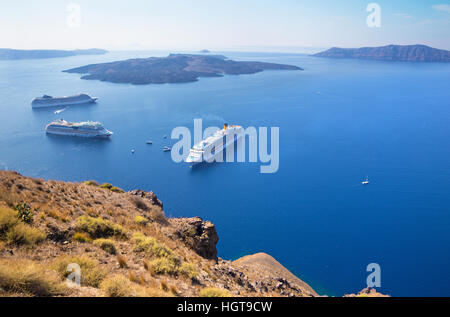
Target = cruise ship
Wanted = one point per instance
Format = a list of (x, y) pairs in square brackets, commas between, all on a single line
[(87, 129), (209, 148), (49, 101)]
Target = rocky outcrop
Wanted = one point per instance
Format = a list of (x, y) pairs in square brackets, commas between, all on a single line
[(367, 292), (201, 236), (272, 276), (149, 196)]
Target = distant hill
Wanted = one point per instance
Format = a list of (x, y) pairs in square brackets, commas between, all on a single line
[(404, 53), (11, 54), (176, 68)]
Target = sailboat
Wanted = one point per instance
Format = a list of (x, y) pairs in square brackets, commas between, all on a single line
[(366, 182)]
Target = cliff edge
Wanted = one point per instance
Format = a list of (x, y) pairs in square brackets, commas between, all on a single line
[(121, 243)]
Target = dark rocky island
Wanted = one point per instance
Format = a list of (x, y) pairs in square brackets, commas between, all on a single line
[(176, 68), (404, 53), (10, 54)]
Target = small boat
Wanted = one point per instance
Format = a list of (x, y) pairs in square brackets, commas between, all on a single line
[(60, 110), (133, 150), (167, 149), (366, 182), (165, 137), (149, 142)]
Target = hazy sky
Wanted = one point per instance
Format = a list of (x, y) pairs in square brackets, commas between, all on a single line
[(220, 24)]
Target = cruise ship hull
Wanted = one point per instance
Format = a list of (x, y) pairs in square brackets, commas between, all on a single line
[(77, 134), (211, 157)]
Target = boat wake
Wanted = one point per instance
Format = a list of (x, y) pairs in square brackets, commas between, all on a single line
[(60, 110)]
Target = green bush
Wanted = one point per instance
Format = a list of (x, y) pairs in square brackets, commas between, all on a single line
[(106, 186), (106, 245), (214, 292), (188, 270), (24, 213), (99, 228), (112, 188), (165, 266), (82, 237), (141, 220), (91, 183), (151, 247), (117, 190)]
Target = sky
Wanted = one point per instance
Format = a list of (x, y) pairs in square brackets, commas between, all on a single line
[(220, 24)]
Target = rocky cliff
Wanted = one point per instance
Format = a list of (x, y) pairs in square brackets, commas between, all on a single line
[(123, 245)]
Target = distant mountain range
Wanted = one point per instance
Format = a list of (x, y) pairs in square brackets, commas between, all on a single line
[(11, 54), (176, 68), (404, 53)]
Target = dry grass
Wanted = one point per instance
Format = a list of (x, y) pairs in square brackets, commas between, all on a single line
[(107, 245), (214, 292), (165, 266), (82, 237), (99, 228), (27, 278), (122, 261), (120, 286), (22, 234), (142, 221), (91, 273), (151, 247), (8, 219), (189, 270)]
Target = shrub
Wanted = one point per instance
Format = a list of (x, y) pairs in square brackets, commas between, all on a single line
[(81, 237), (189, 270), (173, 290), (28, 278), (164, 266), (117, 190), (24, 213), (106, 186), (139, 203), (141, 220), (214, 292), (99, 228), (8, 219), (122, 261), (91, 273), (91, 183), (164, 286), (22, 234), (106, 245), (118, 286), (150, 246)]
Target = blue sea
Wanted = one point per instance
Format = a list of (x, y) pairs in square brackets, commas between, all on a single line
[(339, 121)]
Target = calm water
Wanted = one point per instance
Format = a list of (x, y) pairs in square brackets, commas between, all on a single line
[(339, 120)]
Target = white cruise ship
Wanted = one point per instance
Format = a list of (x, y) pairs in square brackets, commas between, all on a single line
[(209, 148), (49, 101), (87, 129)]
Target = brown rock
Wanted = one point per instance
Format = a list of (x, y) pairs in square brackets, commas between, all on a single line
[(149, 196), (201, 236)]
